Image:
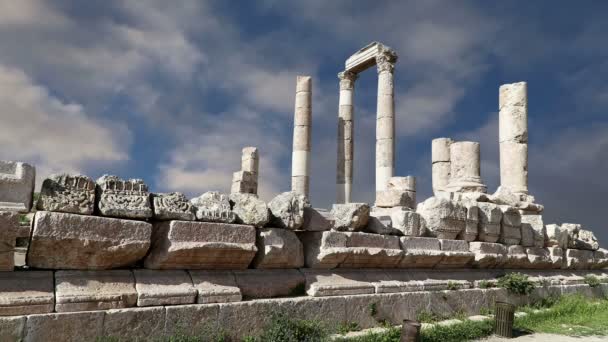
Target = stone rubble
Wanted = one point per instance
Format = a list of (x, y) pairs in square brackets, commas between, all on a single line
[(123, 198), (173, 206), (287, 210), (350, 217), (67, 193), (249, 209)]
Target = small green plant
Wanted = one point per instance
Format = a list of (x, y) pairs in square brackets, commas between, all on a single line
[(427, 317), (484, 284), (592, 280), (516, 283), (373, 309), (485, 311), (283, 328), (346, 327), (452, 286), (298, 290)]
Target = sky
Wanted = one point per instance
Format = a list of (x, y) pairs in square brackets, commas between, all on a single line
[(172, 91)]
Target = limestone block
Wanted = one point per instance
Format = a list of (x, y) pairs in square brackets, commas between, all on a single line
[(600, 259), (510, 233), (123, 198), (395, 198), (579, 259), (407, 183), (94, 290), (134, 324), (213, 206), (316, 219), (215, 286), (516, 257), (381, 224), (278, 248), (166, 287), (443, 218), (12, 328), (194, 320), (533, 231), (456, 254), (249, 209), (321, 283), (172, 206), (579, 238), (64, 327), (350, 216), (67, 193), (269, 283), (513, 112), (557, 257), (16, 186), (25, 293), (9, 227), (403, 221), (201, 245), (490, 217), (539, 257), (488, 255), (556, 236), (287, 210), (471, 229), (244, 182), (61, 241), (420, 252)]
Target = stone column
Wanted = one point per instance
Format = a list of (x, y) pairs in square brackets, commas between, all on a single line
[(385, 121), (246, 180), (300, 158), (345, 137), (513, 137), (465, 168), (440, 156)]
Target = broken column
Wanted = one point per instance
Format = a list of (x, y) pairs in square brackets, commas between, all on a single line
[(513, 137), (300, 162), (385, 119), (440, 156), (344, 179), (246, 180), (465, 168)]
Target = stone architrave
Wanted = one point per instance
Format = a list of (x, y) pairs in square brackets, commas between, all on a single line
[(163, 287), (441, 164), (67, 193), (278, 248), (557, 236), (399, 192), (490, 217), (249, 209), (350, 216), (123, 198), (317, 219), (420, 252), (443, 218), (533, 231), (287, 210), (344, 178), (172, 206), (213, 206), (26, 293), (246, 180), (456, 254), (16, 186), (510, 232), (201, 245), (71, 241), (513, 137), (9, 226), (465, 168), (300, 160), (488, 255), (579, 238)]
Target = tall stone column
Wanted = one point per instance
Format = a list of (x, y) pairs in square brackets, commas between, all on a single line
[(465, 168), (345, 137), (300, 158), (440, 156), (385, 121), (513, 137)]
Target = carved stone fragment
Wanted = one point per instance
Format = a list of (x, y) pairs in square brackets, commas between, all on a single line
[(213, 206), (249, 209), (123, 198), (172, 206), (16, 186), (350, 216), (67, 193), (287, 210)]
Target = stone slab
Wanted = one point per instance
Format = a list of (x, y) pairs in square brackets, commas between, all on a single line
[(539, 257), (516, 257), (201, 245), (278, 248), (70, 241), (350, 216), (163, 287), (12, 328), (456, 254), (64, 327), (215, 286), (269, 283), (134, 324), (320, 283), (579, 259), (16, 186), (487, 254), (26, 293), (249, 209), (94, 290), (317, 219), (420, 252)]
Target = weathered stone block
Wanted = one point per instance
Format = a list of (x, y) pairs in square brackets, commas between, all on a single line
[(600, 259), (61, 241), (201, 245), (216, 287), (420, 252), (117, 197), (556, 236), (490, 217), (456, 254), (244, 182), (579, 259), (9, 227), (16, 186), (134, 324), (278, 248), (166, 287), (488, 255), (350, 216), (510, 233), (194, 320), (287, 210), (579, 238), (64, 327), (381, 224), (395, 198), (516, 257), (443, 219), (12, 328), (403, 221), (471, 229), (320, 283), (533, 231), (25, 293), (67, 193), (249, 209), (213, 206), (557, 257), (539, 257), (173, 206), (269, 283), (316, 219), (94, 290)]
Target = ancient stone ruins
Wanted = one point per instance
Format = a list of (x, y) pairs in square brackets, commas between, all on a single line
[(109, 258)]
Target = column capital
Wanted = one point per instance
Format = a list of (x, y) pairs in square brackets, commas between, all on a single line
[(347, 79), (386, 61)]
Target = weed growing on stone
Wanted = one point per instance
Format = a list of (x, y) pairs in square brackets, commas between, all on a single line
[(452, 286), (592, 280), (346, 327), (298, 290), (373, 309), (484, 284), (516, 283), (427, 317), (282, 328)]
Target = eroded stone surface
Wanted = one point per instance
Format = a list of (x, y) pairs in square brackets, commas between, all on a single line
[(134, 324), (471, 229), (163, 287), (215, 286), (403, 221), (556, 254), (117, 197), (516, 257), (16, 186), (539, 257), (213, 206), (320, 283), (9, 228), (12, 328), (249, 209), (350, 216), (67, 193), (26, 293), (395, 198), (64, 327), (269, 283), (533, 231), (444, 219), (70, 241), (201, 245), (490, 217), (456, 254), (287, 210), (488, 255), (557, 236), (600, 258), (317, 219), (420, 252), (172, 206), (579, 238), (278, 248), (510, 233), (579, 259)]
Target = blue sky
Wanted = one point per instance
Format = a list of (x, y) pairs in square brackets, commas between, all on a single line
[(170, 92)]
